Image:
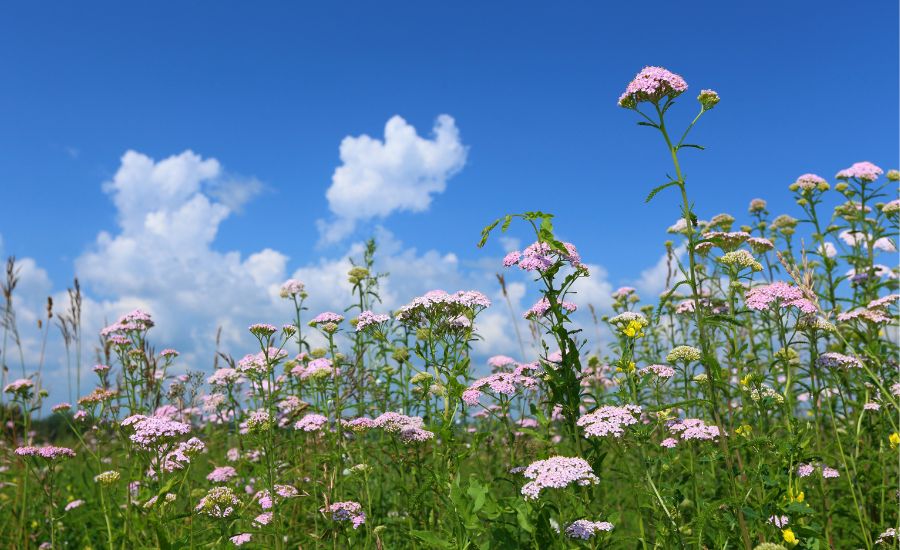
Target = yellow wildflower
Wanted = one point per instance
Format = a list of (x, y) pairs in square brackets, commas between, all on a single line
[(894, 439), (634, 329), (744, 430), (789, 537)]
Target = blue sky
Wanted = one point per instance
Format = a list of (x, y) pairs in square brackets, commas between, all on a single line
[(270, 90)]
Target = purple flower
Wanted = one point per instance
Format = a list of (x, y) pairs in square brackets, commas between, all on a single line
[(292, 288), (652, 84), (583, 529), (694, 428), (238, 540), (326, 317), (809, 182), (609, 420), (311, 423), (760, 298), (47, 452), (153, 431), (349, 510), (367, 318), (833, 359), (222, 474), (556, 472), (862, 171), (22, 386), (779, 521), (805, 470)]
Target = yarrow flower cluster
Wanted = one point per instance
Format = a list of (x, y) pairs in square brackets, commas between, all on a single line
[(542, 306), (862, 171), (556, 472), (833, 359), (346, 511), (48, 452), (222, 474), (683, 353), (741, 259), (153, 431), (503, 383), (652, 84), (540, 256), (409, 428), (219, 502), (368, 318), (694, 428), (22, 386), (609, 420), (107, 478), (805, 470), (810, 182), (317, 368), (311, 423), (262, 362), (662, 371), (257, 422), (136, 321), (761, 298), (292, 288), (441, 307), (583, 529), (326, 317)]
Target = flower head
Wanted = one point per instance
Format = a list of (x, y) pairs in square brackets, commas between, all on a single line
[(556, 472), (609, 420), (862, 171), (683, 353), (344, 511), (583, 529), (219, 502), (652, 84), (367, 318), (292, 288)]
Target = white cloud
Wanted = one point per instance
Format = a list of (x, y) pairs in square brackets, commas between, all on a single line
[(652, 281), (162, 258), (400, 173)]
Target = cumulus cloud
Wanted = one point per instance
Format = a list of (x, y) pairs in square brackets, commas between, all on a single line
[(402, 172), (169, 212), (652, 281)]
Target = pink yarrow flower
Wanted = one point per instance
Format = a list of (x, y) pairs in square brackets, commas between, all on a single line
[(760, 298), (222, 474), (694, 428), (609, 420), (862, 171), (583, 529), (652, 84), (344, 511), (556, 472), (368, 318)]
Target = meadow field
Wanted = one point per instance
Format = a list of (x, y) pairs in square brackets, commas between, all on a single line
[(752, 405)]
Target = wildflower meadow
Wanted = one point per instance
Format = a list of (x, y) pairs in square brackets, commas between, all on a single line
[(752, 405)]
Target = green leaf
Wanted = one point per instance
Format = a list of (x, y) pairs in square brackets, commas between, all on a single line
[(692, 146), (659, 188), (477, 492), (432, 540), (485, 233), (522, 517)]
